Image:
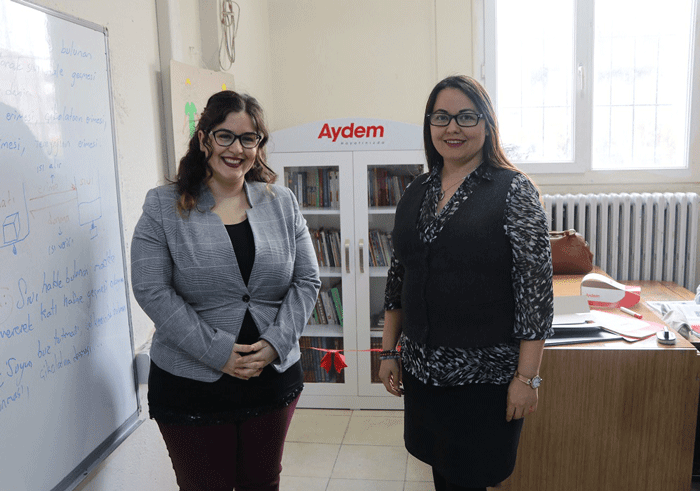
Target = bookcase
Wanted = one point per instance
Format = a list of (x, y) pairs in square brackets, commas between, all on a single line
[(347, 176)]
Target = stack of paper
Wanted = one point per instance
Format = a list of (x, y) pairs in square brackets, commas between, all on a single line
[(628, 327), (574, 323)]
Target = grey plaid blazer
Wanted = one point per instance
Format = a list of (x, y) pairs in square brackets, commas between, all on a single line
[(185, 276)]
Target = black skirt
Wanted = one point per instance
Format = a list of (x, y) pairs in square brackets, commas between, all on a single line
[(461, 431)]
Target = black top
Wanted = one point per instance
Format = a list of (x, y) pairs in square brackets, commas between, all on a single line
[(526, 226), (179, 400), (457, 289)]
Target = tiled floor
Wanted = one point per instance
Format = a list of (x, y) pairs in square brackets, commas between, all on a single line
[(337, 450)]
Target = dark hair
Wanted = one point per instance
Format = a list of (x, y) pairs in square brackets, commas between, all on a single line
[(493, 152), (194, 166)]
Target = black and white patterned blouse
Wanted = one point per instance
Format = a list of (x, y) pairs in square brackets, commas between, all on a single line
[(526, 228)]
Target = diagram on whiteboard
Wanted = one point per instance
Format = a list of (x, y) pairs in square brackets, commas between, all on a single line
[(50, 205), (15, 223)]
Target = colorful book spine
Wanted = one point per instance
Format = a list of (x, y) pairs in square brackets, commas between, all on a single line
[(337, 303)]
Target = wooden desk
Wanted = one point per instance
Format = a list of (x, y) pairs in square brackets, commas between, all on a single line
[(613, 416)]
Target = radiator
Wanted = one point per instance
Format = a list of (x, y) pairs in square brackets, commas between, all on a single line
[(636, 236)]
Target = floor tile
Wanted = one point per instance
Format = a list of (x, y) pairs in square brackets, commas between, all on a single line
[(419, 486), (326, 412), (370, 430), (364, 485), (417, 470), (318, 427), (370, 462), (376, 413), (309, 459), (294, 483)]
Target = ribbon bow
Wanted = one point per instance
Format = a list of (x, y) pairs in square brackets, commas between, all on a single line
[(333, 358)]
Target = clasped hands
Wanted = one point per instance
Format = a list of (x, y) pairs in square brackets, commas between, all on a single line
[(248, 360)]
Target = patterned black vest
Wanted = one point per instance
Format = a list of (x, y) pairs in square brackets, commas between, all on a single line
[(457, 291)]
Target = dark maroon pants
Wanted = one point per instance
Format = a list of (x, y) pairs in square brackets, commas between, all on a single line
[(245, 456)]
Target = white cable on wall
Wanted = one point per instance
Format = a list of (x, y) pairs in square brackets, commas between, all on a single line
[(229, 21)]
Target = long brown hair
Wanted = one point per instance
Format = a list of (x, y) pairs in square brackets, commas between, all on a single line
[(194, 167)]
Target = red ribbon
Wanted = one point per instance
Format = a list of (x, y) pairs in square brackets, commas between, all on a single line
[(334, 359)]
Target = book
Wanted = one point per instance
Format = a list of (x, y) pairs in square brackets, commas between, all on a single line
[(335, 247), (326, 191), (307, 359), (323, 245), (321, 313), (387, 248), (328, 307), (337, 303)]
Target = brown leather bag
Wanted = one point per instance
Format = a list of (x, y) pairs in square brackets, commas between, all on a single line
[(570, 253)]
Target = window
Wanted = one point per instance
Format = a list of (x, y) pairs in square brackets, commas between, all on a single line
[(591, 85)]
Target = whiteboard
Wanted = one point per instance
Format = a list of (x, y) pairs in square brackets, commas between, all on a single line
[(68, 391)]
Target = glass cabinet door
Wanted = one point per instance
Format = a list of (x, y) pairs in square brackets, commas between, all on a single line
[(380, 179), (322, 184)]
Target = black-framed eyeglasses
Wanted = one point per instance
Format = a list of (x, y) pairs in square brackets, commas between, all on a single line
[(226, 138), (465, 120)]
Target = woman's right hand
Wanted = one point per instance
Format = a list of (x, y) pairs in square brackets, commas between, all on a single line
[(230, 367), (390, 375)]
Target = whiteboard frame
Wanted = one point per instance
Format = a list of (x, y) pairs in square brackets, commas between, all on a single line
[(102, 451)]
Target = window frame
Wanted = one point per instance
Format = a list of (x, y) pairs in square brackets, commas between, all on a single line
[(484, 68)]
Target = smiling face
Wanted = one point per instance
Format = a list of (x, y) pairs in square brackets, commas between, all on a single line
[(458, 146), (229, 165)]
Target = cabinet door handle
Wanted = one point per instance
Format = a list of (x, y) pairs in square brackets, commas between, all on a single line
[(347, 255), (362, 255)]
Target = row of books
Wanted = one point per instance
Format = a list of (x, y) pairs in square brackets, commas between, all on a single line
[(375, 343), (329, 307), (379, 248), (385, 188), (311, 359), (326, 243), (314, 187)]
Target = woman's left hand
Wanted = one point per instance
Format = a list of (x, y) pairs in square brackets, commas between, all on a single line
[(254, 357), (522, 400)]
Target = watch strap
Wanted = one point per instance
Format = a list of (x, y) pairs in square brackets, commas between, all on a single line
[(525, 380)]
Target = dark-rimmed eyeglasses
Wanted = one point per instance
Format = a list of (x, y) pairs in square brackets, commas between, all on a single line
[(465, 120), (226, 138)]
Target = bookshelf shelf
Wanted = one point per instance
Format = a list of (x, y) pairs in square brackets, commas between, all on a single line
[(324, 330), (348, 197), (379, 271), (320, 211), (382, 210), (328, 272)]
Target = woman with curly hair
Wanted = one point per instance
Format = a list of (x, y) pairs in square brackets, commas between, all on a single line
[(223, 264)]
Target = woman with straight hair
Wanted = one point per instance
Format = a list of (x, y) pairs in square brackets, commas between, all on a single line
[(469, 296), (223, 264)]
